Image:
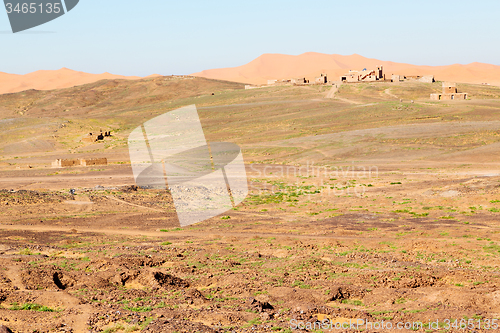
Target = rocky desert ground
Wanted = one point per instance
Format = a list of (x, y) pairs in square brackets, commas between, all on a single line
[(375, 206)]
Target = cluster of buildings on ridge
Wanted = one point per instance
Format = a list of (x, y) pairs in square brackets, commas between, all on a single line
[(371, 75), (322, 79), (364, 75)]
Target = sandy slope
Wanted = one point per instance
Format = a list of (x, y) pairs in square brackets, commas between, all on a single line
[(52, 79), (281, 66)]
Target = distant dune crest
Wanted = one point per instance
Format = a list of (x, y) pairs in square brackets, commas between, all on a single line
[(267, 67), (52, 79), (311, 64)]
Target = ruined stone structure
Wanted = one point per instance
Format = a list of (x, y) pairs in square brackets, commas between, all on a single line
[(425, 78), (397, 78), (178, 77), (63, 163), (94, 137), (282, 82), (300, 80), (321, 79), (93, 161), (449, 93), (250, 86), (364, 75)]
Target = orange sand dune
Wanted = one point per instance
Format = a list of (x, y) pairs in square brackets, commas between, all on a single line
[(281, 66), (52, 79)]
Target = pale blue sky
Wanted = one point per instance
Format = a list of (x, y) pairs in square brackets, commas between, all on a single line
[(181, 37)]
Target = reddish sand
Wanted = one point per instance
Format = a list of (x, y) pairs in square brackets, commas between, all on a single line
[(52, 79), (281, 66)]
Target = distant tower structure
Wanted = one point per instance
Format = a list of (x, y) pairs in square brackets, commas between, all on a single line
[(322, 79), (380, 71), (449, 88)]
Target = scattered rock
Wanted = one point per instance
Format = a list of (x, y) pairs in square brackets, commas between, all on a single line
[(4, 329), (259, 306)]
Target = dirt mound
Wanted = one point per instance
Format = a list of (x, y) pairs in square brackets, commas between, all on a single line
[(305, 298), (23, 197), (165, 280), (139, 261), (4, 282), (3, 295), (5, 329), (159, 200), (339, 293), (175, 325), (194, 296), (136, 279), (407, 280), (259, 305), (49, 278), (129, 188)]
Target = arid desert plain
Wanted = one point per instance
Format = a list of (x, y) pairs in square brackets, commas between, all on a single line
[(375, 204)]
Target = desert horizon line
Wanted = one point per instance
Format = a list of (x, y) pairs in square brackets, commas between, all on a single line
[(263, 54), (266, 67)]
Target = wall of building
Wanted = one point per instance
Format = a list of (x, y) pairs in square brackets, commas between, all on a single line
[(64, 163), (321, 79), (456, 96), (395, 78), (449, 90), (427, 78), (449, 97), (364, 75), (299, 80), (94, 161)]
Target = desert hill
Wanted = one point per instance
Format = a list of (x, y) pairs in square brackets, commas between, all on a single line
[(52, 79), (46, 120), (311, 64), (106, 96)]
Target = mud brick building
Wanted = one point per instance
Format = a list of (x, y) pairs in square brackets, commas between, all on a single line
[(322, 79), (300, 80), (424, 78), (365, 75), (449, 93), (63, 163)]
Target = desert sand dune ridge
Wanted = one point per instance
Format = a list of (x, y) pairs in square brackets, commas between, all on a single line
[(52, 79), (311, 64)]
